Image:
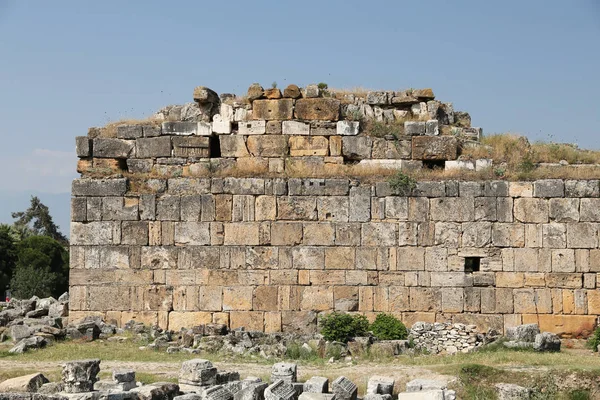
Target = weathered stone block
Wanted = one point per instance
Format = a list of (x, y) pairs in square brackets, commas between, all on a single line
[(308, 146), (112, 148), (273, 109), (357, 147), (83, 146), (318, 234), (252, 127), (321, 109), (549, 188), (434, 148), (348, 128), (245, 233), (460, 209), (590, 188), (589, 210), (233, 146), (286, 233), (296, 208), (531, 210), (564, 210), (268, 146), (295, 128), (153, 147), (414, 128), (191, 146), (238, 298)]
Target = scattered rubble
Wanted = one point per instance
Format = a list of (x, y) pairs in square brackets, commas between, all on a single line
[(529, 336)]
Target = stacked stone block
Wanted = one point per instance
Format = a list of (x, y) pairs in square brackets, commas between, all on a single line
[(302, 133), (270, 254)]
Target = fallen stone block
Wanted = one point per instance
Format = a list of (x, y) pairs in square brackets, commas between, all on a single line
[(417, 385), (380, 385), (157, 391), (546, 341), (316, 384), (198, 372), (510, 391), (280, 390), (26, 383), (287, 372), (344, 389), (80, 376), (34, 342), (51, 388), (217, 392), (251, 390), (424, 395), (522, 333), (317, 396)]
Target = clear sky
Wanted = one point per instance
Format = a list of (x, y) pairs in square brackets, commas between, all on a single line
[(523, 66)]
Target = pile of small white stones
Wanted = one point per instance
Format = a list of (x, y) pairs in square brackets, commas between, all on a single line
[(445, 337)]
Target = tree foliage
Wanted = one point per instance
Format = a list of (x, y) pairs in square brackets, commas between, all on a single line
[(42, 225), (8, 257), (42, 268)]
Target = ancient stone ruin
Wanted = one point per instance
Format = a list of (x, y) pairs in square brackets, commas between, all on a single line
[(262, 212)]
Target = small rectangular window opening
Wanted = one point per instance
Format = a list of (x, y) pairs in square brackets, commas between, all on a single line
[(472, 264)]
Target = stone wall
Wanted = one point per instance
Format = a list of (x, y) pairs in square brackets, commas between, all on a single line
[(266, 217)]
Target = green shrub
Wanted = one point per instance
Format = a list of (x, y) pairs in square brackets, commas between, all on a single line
[(402, 184), (388, 327), (594, 340), (322, 85), (342, 327)]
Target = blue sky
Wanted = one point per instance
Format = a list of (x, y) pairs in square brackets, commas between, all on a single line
[(529, 67)]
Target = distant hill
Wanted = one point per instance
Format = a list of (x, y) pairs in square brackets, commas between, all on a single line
[(58, 203)]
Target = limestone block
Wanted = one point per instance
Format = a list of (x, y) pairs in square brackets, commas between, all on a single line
[(436, 259), (451, 279), (273, 128), (192, 233), (549, 188), (526, 260), (244, 233), (339, 258), (317, 298), (308, 257), (564, 210), (266, 208), (410, 259), (281, 109), (452, 300), (321, 109), (531, 210), (563, 260), (348, 234), (268, 146), (252, 127), (265, 298), (425, 299), (168, 208), (198, 372), (153, 147), (348, 128), (470, 189), (396, 208), (554, 235), (486, 209), (95, 233), (391, 149), (318, 234), (190, 146), (120, 209), (112, 148), (520, 189), (296, 208), (286, 233), (432, 127), (295, 128), (434, 148), (357, 147), (335, 146), (316, 384), (379, 234), (284, 371), (83, 146), (308, 146), (588, 188), (451, 165), (333, 208), (238, 298), (323, 128), (564, 280), (134, 233), (582, 235), (459, 209), (245, 186), (292, 91), (590, 210), (344, 389), (477, 234), (360, 204), (430, 189), (508, 235), (414, 128), (504, 209)]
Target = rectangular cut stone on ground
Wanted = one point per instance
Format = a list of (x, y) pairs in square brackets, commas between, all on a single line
[(344, 389), (197, 372), (284, 371), (280, 390), (316, 384)]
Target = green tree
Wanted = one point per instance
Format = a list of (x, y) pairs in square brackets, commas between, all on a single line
[(42, 268), (8, 257), (42, 221)]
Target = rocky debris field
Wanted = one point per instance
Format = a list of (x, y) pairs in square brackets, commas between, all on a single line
[(199, 379)]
